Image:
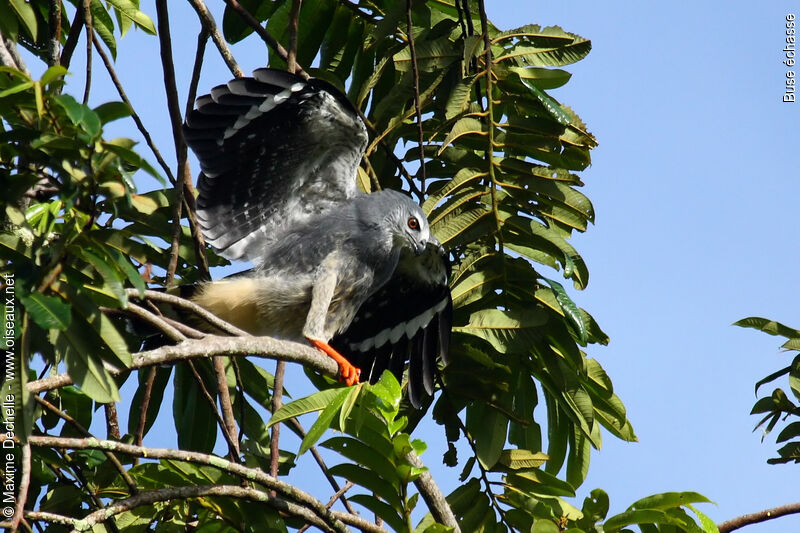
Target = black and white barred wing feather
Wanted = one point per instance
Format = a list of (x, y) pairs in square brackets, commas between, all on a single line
[(407, 320), (273, 149)]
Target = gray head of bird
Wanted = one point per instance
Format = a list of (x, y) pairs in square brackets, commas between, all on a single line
[(407, 222)]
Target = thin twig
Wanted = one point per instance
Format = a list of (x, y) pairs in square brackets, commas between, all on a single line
[(232, 444), (177, 232), (487, 55), (135, 116), (415, 74), (226, 405), (148, 391), (339, 493), (143, 314), (277, 402), (54, 42), (71, 43), (83, 431), (112, 421), (87, 17), (210, 25), (264, 34), (184, 179), (294, 17), (756, 518), (182, 303), (298, 427), (24, 482), (199, 56)]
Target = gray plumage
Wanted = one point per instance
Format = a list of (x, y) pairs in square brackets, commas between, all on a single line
[(279, 157)]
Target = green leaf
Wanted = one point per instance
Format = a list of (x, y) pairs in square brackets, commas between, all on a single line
[(160, 381), (543, 78), (706, 522), (324, 420), (488, 428), (381, 509), (768, 326), (544, 526), (314, 402), (52, 74), (548, 47), (49, 312), (538, 483), (549, 103), (27, 16), (128, 9), (365, 455), (234, 27), (569, 309), (111, 111), (101, 327), (669, 500), (110, 275), (369, 480), (431, 55), (464, 126), (103, 24), (24, 86), (522, 459), (506, 330), (83, 362), (195, 423)]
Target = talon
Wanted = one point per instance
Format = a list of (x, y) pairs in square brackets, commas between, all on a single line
[(348, 374)]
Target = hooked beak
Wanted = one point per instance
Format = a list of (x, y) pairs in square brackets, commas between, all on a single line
[(432, 242)]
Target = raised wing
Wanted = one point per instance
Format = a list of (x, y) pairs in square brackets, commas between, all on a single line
[(407, 319), (273, 149)]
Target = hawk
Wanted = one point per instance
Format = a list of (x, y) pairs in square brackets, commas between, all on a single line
[(359, 276)]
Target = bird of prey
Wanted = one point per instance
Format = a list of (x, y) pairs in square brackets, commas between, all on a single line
[(357, 275)]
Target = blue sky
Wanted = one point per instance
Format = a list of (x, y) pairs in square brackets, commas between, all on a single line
[(695, 185)]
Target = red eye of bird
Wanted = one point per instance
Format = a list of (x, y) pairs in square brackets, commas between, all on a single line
[(413, 223)]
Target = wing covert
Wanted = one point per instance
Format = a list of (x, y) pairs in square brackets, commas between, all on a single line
[(274, 149)]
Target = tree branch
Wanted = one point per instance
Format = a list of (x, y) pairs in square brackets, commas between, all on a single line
[(433, 496), (184, 178), (197, 491), (294, 17), (265, 35), (251, 474), (85, 432), (208, 22), (761, 516), (135, 116), (415, 74), (211, 345), (23, 486), (226, 406), (87, 18), (72, 38), (182, 303), (54, 40), (9, 55)]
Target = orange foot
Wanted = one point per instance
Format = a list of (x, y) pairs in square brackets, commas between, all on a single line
[(348, 374)]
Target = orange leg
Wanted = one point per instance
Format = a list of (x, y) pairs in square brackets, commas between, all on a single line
[(347, 372)]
